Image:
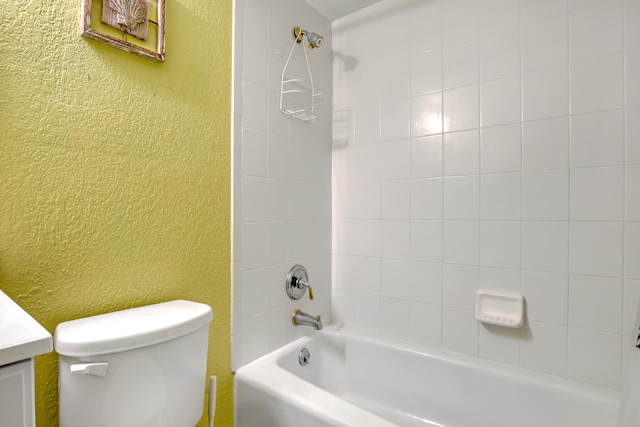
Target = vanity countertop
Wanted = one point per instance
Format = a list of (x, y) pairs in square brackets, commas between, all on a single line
[(21, 336)]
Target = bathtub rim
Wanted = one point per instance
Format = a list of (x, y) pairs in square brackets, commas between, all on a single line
[(277, 376)]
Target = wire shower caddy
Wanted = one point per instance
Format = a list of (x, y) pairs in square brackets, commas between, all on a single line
[(299, 97)]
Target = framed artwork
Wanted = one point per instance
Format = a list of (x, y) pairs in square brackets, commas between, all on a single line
[(136, 26)]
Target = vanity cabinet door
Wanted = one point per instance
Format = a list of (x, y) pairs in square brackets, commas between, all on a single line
[(16, 395)]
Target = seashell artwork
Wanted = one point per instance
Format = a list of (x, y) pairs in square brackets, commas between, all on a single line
[(129, 16), (137, 18)]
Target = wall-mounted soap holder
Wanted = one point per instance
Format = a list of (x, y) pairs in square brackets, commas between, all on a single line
[(500, 308)]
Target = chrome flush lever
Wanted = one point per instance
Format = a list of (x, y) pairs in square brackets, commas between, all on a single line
[(297, 282)]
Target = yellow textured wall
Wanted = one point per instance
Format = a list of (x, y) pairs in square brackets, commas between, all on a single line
[(115, 173)]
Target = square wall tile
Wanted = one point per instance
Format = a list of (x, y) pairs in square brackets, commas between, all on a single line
[(277, 159), (546, 351), (276, 242), (596, 248), (500, 54), (425, 28), (546, 93), (459, 21), (459, 285), (596, 30), (577, 4), (425, 323), (597, 194), (426, 114), (597, 139), (426, 198), (426, 156), (365, 274), (343, 307), (394, 120), (594, 357), (461, 242), (545, 195), (366, 237), (500, 101), (254, 245), (631, 31), (254, 153), (254, 110), (501, 149), (394, 317), (545, 246), (595, 303), (632, 136), (497, 15), (425, 283), (500, 279), (395, 82), (426, 241), (632, 250), (395, 239), (426, 72), (632, 193), (545, 144), (632, 84), (367, 315), (461, 197), (461, 109), (544, 43), (500, 196), (597, 84), (460, 64), (459, 331), (462, 153), (395, 277), (499, 344), (631, 305), (395, 159), (532, 10), (395, 197), (253, 292), (500, 244), (254, 199), (546, 296)]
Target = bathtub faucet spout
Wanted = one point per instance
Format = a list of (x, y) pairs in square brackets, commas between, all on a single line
[(301, 318)]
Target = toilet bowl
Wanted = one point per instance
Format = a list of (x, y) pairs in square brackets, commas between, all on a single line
[(142, 367)]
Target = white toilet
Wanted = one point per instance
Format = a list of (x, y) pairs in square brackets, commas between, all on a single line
[(143, 367)]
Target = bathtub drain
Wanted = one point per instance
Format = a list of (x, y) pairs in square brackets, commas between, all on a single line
[(304, 357)]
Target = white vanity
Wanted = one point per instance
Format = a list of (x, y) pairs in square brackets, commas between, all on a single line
[(21, 339)]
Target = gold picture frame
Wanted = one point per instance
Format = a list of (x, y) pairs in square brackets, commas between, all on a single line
[(118, 39)]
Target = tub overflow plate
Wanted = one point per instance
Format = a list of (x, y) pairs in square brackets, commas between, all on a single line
[(304, 357)]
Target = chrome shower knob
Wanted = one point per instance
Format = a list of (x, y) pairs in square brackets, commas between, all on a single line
[(297, 282)]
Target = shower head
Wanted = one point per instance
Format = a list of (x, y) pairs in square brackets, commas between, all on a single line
[(314, 40)]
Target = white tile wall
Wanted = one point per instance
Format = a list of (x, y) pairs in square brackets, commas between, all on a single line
[(503, 152), (281, 179)]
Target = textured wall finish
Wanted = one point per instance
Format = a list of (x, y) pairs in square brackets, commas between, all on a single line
[(115, 174)]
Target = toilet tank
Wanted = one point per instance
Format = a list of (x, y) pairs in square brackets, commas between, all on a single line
[(142, 367)]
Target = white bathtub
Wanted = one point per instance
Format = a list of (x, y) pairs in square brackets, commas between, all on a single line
[(353, 381)]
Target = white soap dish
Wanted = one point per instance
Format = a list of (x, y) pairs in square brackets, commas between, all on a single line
[(500, 308)]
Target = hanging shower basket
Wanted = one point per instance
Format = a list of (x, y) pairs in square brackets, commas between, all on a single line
[(299, 97)]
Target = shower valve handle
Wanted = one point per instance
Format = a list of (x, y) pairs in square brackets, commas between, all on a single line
[(302, 284), (297, 282)]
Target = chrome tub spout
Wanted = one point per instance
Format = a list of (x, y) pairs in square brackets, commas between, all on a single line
[(301, 318)]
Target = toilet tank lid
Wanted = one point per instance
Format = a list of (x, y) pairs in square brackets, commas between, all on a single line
[(130, 329)]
